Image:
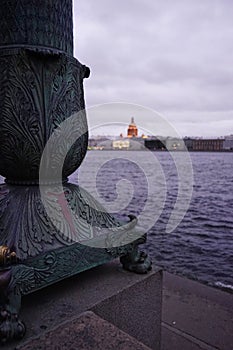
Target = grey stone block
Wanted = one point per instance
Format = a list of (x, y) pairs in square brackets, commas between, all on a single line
[(130, 301), (86, 332), (137, 309)]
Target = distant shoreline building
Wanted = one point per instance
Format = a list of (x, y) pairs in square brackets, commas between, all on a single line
[(208, 145), (228, 143), (132, 129), (122, 144), (160, 143)]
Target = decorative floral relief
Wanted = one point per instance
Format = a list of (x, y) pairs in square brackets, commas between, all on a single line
[(37, 94), (30, 231), (53, 28)]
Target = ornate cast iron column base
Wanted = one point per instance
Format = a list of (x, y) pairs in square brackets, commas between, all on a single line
[(41, 87), (137, 261), (42, 255), (10, 326)]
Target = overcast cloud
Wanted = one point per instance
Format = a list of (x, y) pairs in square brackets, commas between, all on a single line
[(175, 57)]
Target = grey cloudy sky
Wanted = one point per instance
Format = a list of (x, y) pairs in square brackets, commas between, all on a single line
[(174, 56)]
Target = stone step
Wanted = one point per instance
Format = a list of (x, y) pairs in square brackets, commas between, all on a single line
[(86, 332), (131, 302)]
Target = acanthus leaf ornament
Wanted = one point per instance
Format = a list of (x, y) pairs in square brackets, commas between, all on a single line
[(41, 86)]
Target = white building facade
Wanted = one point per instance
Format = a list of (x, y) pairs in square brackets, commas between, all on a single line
[(228, 143)]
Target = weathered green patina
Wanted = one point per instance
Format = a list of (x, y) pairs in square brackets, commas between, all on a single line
[(41, 85)]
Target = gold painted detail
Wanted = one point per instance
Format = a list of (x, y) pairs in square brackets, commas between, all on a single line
[(7, 257)]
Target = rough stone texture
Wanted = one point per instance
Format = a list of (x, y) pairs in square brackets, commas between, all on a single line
[(48, 308), (136, 310), (195, 316), (87, 332), (173, 341)]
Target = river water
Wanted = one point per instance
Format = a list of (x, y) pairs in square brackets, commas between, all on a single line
[(201, 247)]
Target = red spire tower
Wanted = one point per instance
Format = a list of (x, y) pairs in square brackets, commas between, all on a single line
[(132, 129)]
